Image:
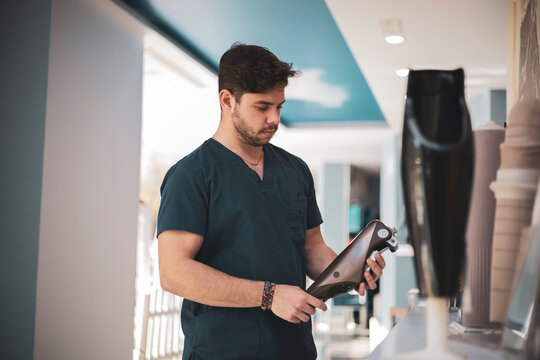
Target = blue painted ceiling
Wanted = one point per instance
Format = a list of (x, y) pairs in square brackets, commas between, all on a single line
[(299, 31)]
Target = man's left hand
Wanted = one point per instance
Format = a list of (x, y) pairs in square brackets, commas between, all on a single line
[(377, 269)]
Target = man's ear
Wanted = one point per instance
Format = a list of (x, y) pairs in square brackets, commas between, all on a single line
[(226, 99)]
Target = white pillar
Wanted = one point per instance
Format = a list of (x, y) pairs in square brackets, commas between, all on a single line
[(390, 208), (335, 204), (86, 269)]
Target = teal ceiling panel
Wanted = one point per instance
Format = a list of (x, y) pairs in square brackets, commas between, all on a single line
[(332, 88)]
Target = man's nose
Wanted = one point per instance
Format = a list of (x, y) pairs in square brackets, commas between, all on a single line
[(274, 117)]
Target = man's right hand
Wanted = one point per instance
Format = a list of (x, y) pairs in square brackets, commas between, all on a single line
[(294, 305)]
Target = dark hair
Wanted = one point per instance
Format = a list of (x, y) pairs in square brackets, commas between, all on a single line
[(252, 69)]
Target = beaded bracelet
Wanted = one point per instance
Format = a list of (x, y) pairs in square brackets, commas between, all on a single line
[(268, 295)]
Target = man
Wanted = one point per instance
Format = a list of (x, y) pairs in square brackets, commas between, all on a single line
[(239, 226)]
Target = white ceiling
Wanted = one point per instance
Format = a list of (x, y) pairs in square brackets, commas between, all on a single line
[(438, 34)]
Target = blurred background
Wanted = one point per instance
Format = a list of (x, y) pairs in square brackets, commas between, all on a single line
[(99, 98)]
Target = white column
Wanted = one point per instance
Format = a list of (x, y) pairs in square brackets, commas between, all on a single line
[(335, 204), (86, 269), (390, 208)]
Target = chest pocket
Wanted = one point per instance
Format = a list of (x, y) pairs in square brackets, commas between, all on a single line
[(296, 217)]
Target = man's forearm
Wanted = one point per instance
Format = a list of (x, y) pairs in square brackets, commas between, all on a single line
[(201, 283), (318, 259)]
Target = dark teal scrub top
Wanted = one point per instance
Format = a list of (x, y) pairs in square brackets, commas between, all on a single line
[(252, 229)]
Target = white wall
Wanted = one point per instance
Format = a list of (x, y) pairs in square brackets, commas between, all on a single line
[(86, 269), (334, 185), (390, 177)]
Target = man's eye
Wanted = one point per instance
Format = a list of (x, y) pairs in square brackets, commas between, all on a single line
[(261, 108)]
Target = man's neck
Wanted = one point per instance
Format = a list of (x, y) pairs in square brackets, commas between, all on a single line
[(229, 139)]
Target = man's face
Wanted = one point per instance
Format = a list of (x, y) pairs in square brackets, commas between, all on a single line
[(256, 117)]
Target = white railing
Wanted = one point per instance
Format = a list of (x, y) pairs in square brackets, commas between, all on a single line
[(161, 336)]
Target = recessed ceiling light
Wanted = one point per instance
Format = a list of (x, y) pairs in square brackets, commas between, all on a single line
[(394, 39), (402, 72)]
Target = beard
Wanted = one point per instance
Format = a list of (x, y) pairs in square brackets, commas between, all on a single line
[(247, 134)]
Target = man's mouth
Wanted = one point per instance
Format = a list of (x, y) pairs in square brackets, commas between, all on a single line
[(269, 131)]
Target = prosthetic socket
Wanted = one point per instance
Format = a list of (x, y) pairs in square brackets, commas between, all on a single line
[(346, 272)]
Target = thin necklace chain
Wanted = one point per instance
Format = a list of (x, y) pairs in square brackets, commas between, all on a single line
[(258, 161), (247, 162)]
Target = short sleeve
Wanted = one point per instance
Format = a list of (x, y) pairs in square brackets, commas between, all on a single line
[(184, 201), (314, 217)]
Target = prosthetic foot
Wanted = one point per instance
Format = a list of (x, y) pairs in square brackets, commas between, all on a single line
[(346, 272)]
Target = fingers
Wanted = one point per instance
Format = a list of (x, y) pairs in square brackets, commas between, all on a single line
[(313, 301), (295, 305), (362, 289), (370, 281), (302, 316), (308, 309), (375, 268), (293, 319), (380, 260)]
